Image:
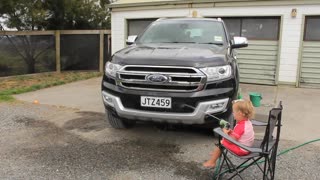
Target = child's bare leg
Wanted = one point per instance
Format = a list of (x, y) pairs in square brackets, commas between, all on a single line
[(214, 156)]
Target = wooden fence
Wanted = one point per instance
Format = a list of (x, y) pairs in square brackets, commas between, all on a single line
[(57, 34)]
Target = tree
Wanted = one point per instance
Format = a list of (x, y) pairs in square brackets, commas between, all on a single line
[(50, 15), (75, 14), (55, 14)]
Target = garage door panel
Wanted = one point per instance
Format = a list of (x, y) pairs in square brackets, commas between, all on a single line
[(310, 65), (257, 81), (313, 76), (254, 72), (309, 44), (310, 70), (258, 52), (261, 77), (261, 47), (311, 50), (256, 57), (313, 81), (258, 62), (311, 55), (257, 67), (311, 60)]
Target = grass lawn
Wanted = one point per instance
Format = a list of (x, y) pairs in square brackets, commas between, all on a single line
[(26, 83)]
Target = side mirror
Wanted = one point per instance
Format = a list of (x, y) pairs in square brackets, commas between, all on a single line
[(239, 42), (131, 39)]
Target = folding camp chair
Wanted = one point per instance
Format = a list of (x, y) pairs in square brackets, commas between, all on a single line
[(265, 149)]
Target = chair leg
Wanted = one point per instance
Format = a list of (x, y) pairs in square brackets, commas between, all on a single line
[(270, 165), (217, 176), (265, 167), (230, 165), (273, 163)]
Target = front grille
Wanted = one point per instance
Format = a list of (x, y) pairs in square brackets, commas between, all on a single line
[(160, 69), (151, 86), (186, 79), (164, 78), (125, 76)]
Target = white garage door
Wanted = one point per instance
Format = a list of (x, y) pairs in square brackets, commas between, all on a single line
[(310, 55)]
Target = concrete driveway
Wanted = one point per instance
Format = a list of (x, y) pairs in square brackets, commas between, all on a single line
[(66, 136), (82, 95), (300, 116)]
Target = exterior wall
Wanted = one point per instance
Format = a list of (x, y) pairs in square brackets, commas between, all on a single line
[(290, 31)]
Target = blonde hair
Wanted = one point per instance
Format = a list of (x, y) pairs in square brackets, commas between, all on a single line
[(245, 107)]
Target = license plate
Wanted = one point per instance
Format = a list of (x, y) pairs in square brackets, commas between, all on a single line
[(158, 102)]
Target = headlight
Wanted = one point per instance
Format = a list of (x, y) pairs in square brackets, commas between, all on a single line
[(111, 69), (217, 73)]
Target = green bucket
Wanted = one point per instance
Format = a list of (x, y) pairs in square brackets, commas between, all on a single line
[(255, 98)]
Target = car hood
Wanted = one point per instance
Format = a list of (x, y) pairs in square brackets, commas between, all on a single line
[(193, 55)]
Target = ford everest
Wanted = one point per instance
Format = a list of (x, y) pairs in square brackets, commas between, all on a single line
[(177, 71)]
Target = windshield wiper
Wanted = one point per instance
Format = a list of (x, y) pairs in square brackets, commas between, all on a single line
[(215, 43), (182, 42)]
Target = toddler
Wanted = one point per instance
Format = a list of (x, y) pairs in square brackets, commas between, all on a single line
[(243, 132)]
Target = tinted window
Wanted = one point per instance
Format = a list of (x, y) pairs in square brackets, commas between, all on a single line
[(260, 28), (265, 28), (233, 26), (312, 32), (184, 32)]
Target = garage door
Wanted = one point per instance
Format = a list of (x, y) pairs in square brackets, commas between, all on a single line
[(258, 62), (310, 55)]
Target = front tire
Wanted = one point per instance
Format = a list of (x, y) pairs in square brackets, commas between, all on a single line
[(117, 122), (231, 120)]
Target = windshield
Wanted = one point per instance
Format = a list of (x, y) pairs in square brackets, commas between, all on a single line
[(202, 32)]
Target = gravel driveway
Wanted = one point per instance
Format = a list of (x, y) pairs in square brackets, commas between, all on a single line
[(50, 142)]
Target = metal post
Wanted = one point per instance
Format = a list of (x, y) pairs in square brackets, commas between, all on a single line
[(101, 51)]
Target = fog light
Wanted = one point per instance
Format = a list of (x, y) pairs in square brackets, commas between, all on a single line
[(108, 100), (217, 106)]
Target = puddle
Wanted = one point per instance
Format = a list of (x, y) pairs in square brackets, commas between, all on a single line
[(89, 121)]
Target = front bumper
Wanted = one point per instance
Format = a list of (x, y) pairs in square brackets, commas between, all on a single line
[(196, 117)]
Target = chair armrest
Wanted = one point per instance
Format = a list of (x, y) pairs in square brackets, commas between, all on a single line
[(229, 138), (258, 123)]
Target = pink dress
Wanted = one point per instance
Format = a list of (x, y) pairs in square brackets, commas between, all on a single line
[(243, 132)]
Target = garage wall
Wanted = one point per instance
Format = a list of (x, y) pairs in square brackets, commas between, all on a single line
[(288, 44)]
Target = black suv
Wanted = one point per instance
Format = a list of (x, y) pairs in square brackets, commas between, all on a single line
[(176, 71)]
